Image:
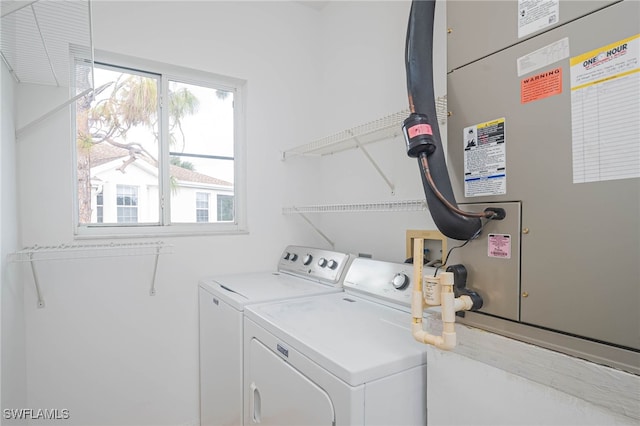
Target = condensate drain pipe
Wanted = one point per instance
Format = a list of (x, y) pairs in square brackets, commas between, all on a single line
[(436, 291)]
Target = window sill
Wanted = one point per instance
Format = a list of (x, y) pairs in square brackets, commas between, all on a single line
[(153, 231)]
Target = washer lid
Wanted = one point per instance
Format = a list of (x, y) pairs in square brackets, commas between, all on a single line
[(351, 337), (240, 289)]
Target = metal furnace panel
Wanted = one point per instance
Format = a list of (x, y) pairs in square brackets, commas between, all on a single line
[(479, 28), (580, 247), (493, 261)]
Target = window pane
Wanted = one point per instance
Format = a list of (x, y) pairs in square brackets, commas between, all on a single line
[(127, 202), (201, 126), (202, 207), (225, 208), (99, 208), (202, 216), (117, 148)]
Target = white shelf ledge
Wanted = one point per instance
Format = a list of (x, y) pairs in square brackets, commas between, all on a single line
[(383, 206), (49, 43), (378, 130)]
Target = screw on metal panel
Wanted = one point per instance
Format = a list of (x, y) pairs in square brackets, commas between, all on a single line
[(449, 30), (525, 294), (449, 113), (525, 230)]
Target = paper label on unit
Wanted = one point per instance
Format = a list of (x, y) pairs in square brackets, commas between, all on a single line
[(420, 129), (431, 291), (543, 57), (535, 15), (499, 246), (485, 163), (541, 85), (605, 107)]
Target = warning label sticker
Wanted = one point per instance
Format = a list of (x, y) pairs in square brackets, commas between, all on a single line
[(499, 246), (485, 163), (541, 86)]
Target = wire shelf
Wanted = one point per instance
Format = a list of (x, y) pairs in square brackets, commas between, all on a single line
[(381, 129), (40, 39), (384, 206), (85, 251)]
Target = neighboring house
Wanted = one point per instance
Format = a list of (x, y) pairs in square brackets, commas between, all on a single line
[(130, 194)]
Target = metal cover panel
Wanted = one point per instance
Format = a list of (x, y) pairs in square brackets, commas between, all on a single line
[(497, 279), (480, 28), (579, 265)]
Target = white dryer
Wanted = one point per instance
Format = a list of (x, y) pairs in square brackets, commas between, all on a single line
[(338, 359), (301, 271)]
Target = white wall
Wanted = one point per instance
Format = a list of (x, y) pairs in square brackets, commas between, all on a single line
[(364, 79), (13, 393), (102, 348)]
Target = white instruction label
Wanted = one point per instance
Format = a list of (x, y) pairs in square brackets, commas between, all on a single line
[(543, 57), (485, 159), (605, 112), (534, 15)]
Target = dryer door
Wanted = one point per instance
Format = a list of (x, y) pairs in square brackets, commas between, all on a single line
[(280, 395)]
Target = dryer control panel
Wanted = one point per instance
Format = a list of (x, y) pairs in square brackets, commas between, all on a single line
[(325, 266), (386, 282)]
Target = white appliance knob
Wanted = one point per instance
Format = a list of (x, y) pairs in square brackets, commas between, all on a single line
[(307, 259), (293, 257), (400, 281), (322, 262), (286, 255), (332, 264)]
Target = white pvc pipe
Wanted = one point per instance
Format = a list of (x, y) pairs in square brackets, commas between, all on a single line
[(450, 304)]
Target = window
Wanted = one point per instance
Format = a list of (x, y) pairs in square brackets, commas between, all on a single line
[(225, 207), (150, 140), (99, 207), (127, 203), (202, 207)]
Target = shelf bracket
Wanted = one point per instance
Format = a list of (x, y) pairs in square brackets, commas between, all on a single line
[(152, 292), (322, 234), (375, 165), (45, 116), (35, 280)]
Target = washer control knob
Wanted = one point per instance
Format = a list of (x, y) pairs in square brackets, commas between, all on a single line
[(286, 255), (332, 264), (400, 281), (307, 259), (293, 257), (322, 262)]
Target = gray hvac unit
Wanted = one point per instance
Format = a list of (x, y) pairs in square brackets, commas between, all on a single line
[(544, 100)]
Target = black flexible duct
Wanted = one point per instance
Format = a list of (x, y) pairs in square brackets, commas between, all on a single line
[(421, 129)]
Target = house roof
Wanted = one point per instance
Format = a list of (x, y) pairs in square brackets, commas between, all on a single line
[(103, 153)]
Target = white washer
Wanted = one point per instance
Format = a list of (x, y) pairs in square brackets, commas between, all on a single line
[(302, 271), (338, 359)]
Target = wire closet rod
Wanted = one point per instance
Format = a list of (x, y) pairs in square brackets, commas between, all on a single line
[(84, 251)]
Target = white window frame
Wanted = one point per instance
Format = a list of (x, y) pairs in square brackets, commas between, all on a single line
[(168, 73)]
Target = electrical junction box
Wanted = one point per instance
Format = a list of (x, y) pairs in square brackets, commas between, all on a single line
[(547, 126)]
